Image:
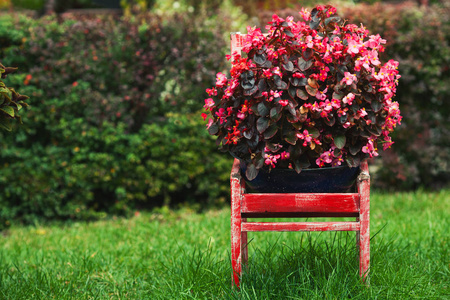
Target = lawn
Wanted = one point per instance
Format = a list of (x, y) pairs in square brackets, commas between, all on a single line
[(182, 254)]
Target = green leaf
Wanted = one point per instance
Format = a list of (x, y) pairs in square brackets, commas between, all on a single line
[(354, 149), (330, 121), (308, 53), (8, 110), (280, 83), (248, 134), (260, 58), (261, 124), (288, 33), (262, 109), (289, 66), (275, 113), (297, 166), (271, 131), (353, 161), (314, 24), (291, 137), (314, 132), (313, 83), (273, 147), (5, 124), (213, 129), (301, 163), (332, 20), (310, 90), (376, 106), (338, 96), (339, 141), (302, 94), (375, 130), (251, 172), (303, 64)]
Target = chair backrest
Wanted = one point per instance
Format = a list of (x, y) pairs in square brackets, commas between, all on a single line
[(237, 41)]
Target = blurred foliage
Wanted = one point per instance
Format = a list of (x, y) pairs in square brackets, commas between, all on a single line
[(115, 122), (28, 4)]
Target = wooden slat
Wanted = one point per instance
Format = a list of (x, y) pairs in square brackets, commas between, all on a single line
[(300, 226), (300, 215), (296, 203)]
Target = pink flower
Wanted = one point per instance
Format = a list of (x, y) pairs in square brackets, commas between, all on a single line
[(305, 136), (210, 122), (253, 39), (349, 78), (298, 75), (346, 125), (361, 113), (271, 160), (337, 161), (221, 114), (276, 94), (354, 46), (211, 92), (285, 155), (372, 56), (324, 158), (221, 80), (326, 106), (387, 143), (309, 41), (283, 102), (267, 73), (277, 71), (208, 103), (349, 99), (342, 111), (276, 20), (321, 95), (323, 73), (375, 42), (369, 148), (306, 15), (336, 103)]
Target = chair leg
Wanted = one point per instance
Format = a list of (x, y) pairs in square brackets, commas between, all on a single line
[(236, 233), (236, 242), (364, 220), (244, 246)]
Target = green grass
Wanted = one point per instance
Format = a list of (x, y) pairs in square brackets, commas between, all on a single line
[(184, 255)]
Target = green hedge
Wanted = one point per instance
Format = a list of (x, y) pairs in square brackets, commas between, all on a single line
[(114, 123)]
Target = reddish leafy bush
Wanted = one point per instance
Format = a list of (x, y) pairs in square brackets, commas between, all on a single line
[(419, 39), (309, 93)]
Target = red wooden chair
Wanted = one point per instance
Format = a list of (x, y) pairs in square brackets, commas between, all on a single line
[(302, 205)]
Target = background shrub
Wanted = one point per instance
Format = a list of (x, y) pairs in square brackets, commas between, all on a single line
[(115, 122)]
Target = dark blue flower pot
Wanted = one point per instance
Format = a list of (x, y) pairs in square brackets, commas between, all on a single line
[(321, 180)]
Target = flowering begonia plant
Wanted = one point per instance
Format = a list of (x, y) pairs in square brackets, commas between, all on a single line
[(311, 93)]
